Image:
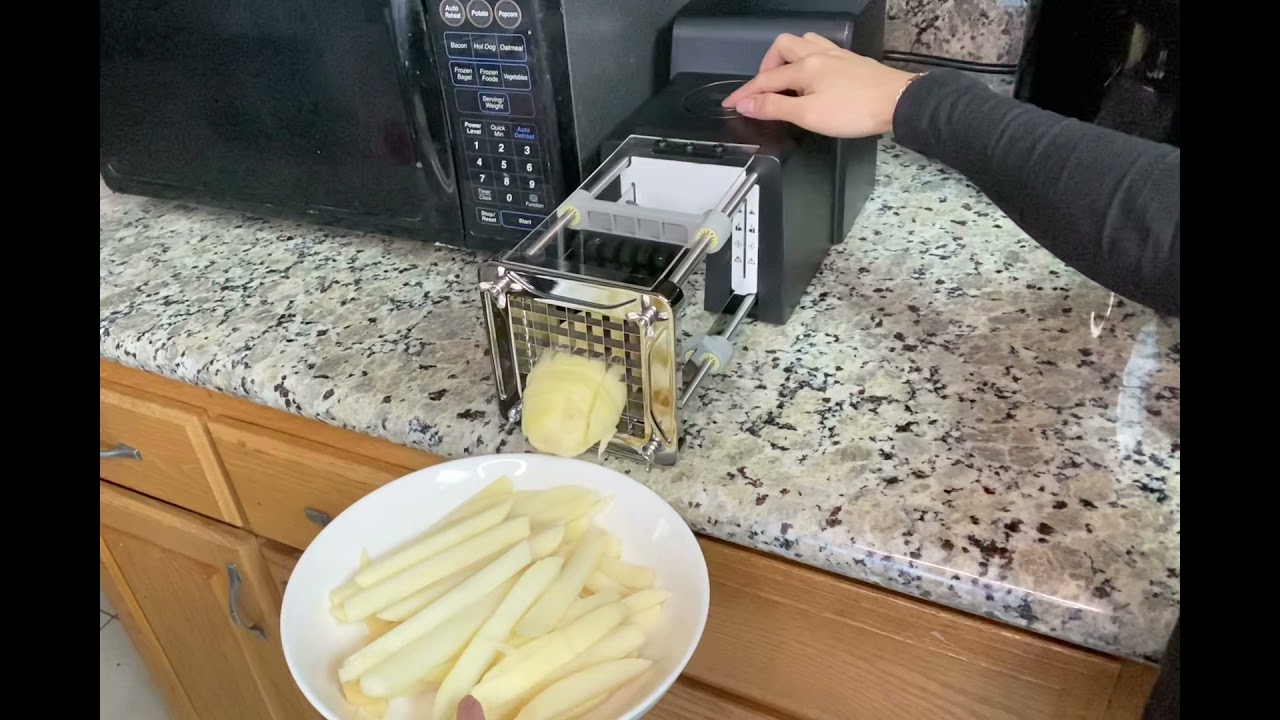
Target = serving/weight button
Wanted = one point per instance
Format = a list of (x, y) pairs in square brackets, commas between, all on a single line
[(452, 13)]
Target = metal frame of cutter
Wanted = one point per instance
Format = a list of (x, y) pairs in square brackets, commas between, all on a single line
[(550, 293)]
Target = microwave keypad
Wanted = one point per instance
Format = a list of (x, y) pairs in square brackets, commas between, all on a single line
[(504, 166), (488, 71)]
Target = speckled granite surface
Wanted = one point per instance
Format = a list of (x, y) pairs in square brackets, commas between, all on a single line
[(937, 418), (986, 31)]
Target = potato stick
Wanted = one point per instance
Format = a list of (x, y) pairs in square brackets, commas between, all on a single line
[(647, 620), (430, 617), (539, 502), (576, 528), (350, 588), (378, 627), (403, 584), (404, 609), (432, 543), (343, 592), (544, 542), (551, 607), (599, 582), (480, 652), (635, 577), (612, 546), (552, 513), (406, 669), (500, 488), (517, 674), (563, 697), (586, 707), (351, 692), (645, 599), (620, 643), (582, 606)]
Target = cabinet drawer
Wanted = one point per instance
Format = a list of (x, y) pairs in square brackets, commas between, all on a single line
[(176, 460), (281, 560), (288, 486), (816, 645)]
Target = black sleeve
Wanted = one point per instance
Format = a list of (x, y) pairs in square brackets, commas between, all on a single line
[(1104, 202)]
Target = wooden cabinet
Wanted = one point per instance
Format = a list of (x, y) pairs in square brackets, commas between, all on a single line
[(199, 594), (162, 448), (248, 487), (291, 487)]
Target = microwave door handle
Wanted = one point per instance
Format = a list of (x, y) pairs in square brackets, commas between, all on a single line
[(408, 28)]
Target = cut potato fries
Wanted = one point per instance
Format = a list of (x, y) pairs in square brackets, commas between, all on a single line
[(514, 598), (433, 543), (405, 669), (568, 695), (552, 606), (405, 583)]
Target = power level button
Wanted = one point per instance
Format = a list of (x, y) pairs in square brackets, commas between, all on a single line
[(507, 13), (452, 13)]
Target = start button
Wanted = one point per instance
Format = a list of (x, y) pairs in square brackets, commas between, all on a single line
[(452, 13)]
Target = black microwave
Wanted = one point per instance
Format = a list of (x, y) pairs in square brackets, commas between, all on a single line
[(458, 121)]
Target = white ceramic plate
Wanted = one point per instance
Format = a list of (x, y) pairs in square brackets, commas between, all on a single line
[(651, 532)]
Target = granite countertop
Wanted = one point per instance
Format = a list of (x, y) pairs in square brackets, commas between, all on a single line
[(938, 418)]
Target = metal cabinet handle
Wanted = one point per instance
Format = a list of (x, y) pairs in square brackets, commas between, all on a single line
[(233, 603), (121, 451), (319, 517)]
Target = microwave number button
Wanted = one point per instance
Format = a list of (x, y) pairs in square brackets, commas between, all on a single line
[(480, 178), (452, 13), (509, 197), (508, 14), (526, 150), (480, 13)]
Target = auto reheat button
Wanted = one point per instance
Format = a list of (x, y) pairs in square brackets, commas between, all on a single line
[(452, 13)]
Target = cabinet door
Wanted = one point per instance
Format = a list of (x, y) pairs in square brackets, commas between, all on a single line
[(197, 598)]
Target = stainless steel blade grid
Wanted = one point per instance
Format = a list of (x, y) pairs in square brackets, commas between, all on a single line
[(538, 326)]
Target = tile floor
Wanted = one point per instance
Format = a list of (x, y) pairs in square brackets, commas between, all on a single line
[(125, 691)]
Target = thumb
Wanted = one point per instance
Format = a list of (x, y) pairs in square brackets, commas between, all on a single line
[(771, 106), (469, 709)]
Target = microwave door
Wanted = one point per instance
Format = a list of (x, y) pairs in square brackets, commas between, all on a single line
[(324, 108)]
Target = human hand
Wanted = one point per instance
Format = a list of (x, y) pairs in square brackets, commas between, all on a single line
[(838, 93), (470, 709)]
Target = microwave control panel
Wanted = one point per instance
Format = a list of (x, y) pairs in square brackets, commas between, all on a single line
[(499, 123)]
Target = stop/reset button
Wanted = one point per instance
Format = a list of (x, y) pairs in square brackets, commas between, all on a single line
[(452, 13), (507, 13)]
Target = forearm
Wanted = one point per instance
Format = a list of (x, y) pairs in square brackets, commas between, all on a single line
[(1104, 202)]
